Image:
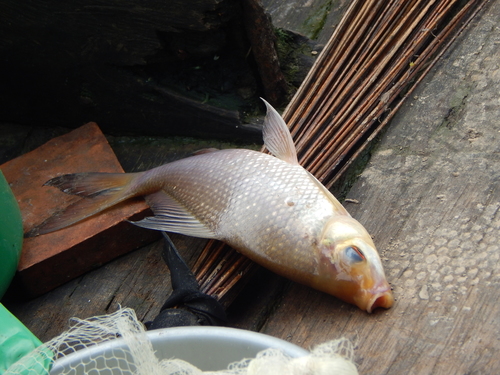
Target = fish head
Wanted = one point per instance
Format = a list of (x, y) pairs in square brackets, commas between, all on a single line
[(350, 267)]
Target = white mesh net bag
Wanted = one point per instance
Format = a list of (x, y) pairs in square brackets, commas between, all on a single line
[(135, 355)]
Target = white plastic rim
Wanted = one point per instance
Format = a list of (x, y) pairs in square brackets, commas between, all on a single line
[(208, 348)]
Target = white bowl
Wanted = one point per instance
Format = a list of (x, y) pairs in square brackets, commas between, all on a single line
[(208, 348)]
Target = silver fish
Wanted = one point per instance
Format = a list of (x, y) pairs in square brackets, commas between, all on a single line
[(267, 207)]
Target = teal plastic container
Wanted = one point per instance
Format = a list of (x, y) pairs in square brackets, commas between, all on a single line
[(15, 339), (11, 234)]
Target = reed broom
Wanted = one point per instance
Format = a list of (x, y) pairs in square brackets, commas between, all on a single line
[(375, 58)]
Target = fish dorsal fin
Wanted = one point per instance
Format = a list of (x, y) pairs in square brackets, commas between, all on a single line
[(336, 204), (170, 216), (205, 151), (277, 136)]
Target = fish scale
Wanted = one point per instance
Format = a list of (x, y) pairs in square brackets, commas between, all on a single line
[(251, 210), (267, 207)]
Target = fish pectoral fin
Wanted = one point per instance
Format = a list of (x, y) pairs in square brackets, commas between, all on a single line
[(171, 216), (277, 137)]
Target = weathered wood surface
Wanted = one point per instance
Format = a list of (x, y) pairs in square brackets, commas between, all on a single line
[(51, 260), (429, 197)]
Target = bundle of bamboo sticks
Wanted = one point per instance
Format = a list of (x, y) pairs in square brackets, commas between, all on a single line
[(376, 56)]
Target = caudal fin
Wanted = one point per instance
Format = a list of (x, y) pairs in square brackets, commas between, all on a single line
[(100, 191)]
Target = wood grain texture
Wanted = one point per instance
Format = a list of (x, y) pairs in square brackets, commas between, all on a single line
[(430, 198), (50, 260), (139, 280)]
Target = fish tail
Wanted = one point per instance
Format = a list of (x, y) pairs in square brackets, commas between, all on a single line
[(99, 191)]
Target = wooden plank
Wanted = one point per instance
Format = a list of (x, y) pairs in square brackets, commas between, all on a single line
[(52, 259), (430, 198), (139, 279)]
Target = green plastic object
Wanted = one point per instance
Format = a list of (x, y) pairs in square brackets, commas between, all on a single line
[(16, 340), (11, 234)]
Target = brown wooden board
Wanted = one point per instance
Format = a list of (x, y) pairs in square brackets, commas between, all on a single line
[(52, 259)]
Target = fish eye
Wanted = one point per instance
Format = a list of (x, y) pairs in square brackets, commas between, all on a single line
[(354, 254)]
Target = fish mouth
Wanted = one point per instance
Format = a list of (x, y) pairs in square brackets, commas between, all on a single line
[(383, 299)]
